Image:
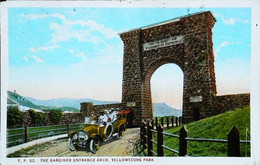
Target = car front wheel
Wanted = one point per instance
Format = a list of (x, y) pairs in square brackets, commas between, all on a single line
[(72, 144), (94, 145)]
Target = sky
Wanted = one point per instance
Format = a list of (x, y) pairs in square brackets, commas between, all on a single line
[(77, 52)]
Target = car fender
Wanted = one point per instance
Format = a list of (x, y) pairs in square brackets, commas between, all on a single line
[(71, 133), (94, 135), (123, 126)]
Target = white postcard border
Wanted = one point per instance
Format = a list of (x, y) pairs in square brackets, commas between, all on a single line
[(255, 78)]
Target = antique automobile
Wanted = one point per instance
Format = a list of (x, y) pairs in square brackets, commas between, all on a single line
[(106, 126)]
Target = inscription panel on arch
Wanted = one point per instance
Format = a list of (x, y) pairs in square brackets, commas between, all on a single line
[(163, 43), (195, 99)]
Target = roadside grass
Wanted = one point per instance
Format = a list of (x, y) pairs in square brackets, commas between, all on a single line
[(216, 127), (32, 150), (25, 151)]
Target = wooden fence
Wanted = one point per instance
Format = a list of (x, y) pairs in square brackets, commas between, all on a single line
[(147, 131), (25, 134), (167, 122)]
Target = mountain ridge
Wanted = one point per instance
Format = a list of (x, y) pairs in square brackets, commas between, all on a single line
[(160, 109)]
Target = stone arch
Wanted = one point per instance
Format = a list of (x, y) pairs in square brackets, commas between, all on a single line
[(185, 41), (147, 104), (156, 64)]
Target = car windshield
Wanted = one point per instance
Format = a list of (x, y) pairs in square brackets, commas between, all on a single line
[(87, 120)]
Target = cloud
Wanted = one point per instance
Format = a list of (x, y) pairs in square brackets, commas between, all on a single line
[(37, 59), (44, 48), (81, 55), (34, 16), (42, 16), (32, 49), (25, 59), (231, 21), (71, 51), (77, 54), (112, 53), (81, 30), (225, 44)]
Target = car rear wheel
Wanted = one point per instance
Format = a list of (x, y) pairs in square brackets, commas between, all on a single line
[(94, 145), (72, 144), (108, 130), (121, 132)]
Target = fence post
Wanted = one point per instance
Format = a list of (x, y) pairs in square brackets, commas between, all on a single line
[(152, 121), (172, 121), (149, 139), (160, 140), (156, 121), (162, 122), (183, 142), (167, 120), (142, 133), (68, 128), (180, 120), (234, 142), (145, 136), (26, 134)]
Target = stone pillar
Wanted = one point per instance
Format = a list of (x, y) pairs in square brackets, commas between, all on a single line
[(199, 78), (85, 108), (132, 73)]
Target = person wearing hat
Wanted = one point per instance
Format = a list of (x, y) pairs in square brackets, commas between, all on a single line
[(103, 118), (93, 117)]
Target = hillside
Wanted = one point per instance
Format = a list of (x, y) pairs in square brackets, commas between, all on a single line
[(160, 109), (63, 108), (14, 98), (163, 109), (70, 102), (216, 127)]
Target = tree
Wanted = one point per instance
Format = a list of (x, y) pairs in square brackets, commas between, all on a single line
[(38, 118), (14, 117), (55, 116)]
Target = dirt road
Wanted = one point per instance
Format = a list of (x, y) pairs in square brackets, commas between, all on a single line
[(112, 147)]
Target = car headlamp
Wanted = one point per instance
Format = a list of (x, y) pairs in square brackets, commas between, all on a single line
[(75, 136)]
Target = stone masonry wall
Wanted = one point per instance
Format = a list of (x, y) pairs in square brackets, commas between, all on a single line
[(88, 107), (230, 102), (71, 118), (67, 118)]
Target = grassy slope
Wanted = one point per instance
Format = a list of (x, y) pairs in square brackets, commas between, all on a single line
[(216, 127)]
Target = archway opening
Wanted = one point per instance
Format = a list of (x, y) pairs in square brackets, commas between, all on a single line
[(167, 90), (196, 114)]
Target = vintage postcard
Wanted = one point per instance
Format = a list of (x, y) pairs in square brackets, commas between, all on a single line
[(129, 82)]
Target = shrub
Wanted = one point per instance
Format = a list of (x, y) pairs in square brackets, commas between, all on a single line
[(38, 118), (55, 116), (14, 117)]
